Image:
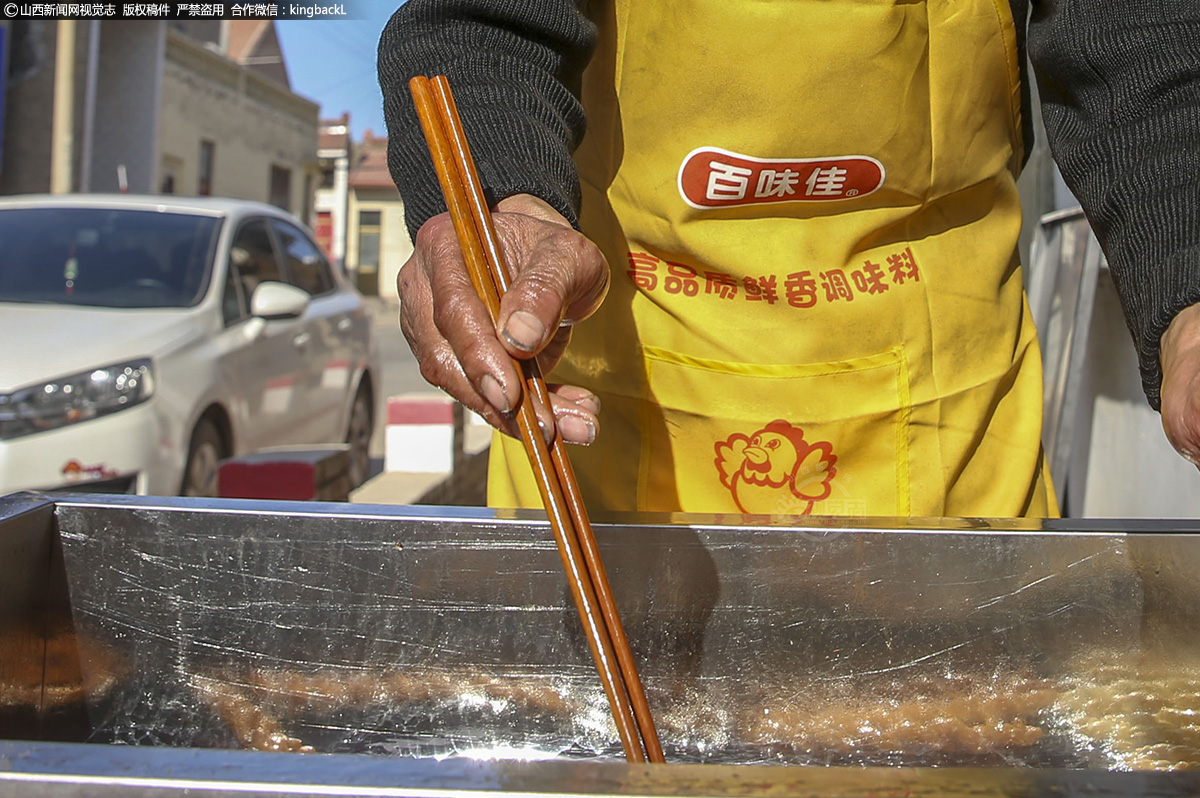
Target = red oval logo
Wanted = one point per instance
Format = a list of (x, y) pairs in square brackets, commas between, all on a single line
[(714, 178)]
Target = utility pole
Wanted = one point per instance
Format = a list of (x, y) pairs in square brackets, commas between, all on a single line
[(62, 133)]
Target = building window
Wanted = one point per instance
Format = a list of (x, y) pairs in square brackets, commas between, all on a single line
[(368, 239), (369, 228), (323, 230), (281, 188), (172, 167), (307, 199), (208, 156), (326, 177)]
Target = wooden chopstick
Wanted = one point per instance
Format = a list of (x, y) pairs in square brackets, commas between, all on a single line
[(556, 482), (562, 463)]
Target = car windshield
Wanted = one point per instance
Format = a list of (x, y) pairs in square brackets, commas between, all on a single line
[(105, 257)]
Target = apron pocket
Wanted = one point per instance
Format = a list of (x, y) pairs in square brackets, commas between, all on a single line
[(818, 438)]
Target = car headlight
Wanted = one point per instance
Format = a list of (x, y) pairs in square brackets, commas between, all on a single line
[(76, 398)]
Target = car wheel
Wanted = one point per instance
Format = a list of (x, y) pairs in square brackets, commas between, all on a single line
[(205, 453), (358, 435)]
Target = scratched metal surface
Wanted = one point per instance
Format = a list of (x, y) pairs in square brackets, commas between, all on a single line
[(434, 633)]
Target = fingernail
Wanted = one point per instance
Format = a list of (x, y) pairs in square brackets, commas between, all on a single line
[(576, 430), (590, 402), (524, 330), (491, 390), (547, 431)]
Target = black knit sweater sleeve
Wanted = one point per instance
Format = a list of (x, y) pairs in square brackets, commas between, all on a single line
[(515, 68), (1120, 88)]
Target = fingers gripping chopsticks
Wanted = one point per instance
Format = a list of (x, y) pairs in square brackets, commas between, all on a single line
[(556, 481)]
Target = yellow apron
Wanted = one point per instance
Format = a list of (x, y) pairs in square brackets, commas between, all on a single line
[(811, 213)]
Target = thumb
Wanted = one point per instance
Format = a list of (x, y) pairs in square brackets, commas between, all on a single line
[(1180, 359)]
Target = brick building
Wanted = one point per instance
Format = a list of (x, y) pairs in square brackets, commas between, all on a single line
[(377, 242), (161, 107)]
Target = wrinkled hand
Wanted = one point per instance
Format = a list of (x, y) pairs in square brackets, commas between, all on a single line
[(1180, 358), (559, 278)]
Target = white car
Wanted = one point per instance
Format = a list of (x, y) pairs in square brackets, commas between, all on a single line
[(144, 339)]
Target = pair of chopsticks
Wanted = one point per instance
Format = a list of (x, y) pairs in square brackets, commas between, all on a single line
[(556, 480)]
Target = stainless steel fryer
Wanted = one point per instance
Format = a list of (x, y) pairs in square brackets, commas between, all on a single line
[(423, 650)]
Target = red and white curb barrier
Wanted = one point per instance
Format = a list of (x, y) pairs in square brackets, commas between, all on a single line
[(288, 473), (419, 437)]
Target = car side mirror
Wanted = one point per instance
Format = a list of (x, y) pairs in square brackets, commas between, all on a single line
[(273, 301)]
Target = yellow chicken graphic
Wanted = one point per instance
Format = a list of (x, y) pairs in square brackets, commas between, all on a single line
[(776, 459)]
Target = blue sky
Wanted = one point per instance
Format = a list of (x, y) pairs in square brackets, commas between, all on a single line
[(333, 63)]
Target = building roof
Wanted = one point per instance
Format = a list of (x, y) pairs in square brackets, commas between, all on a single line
[(254, 43), (244, 35), (370, 169)]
